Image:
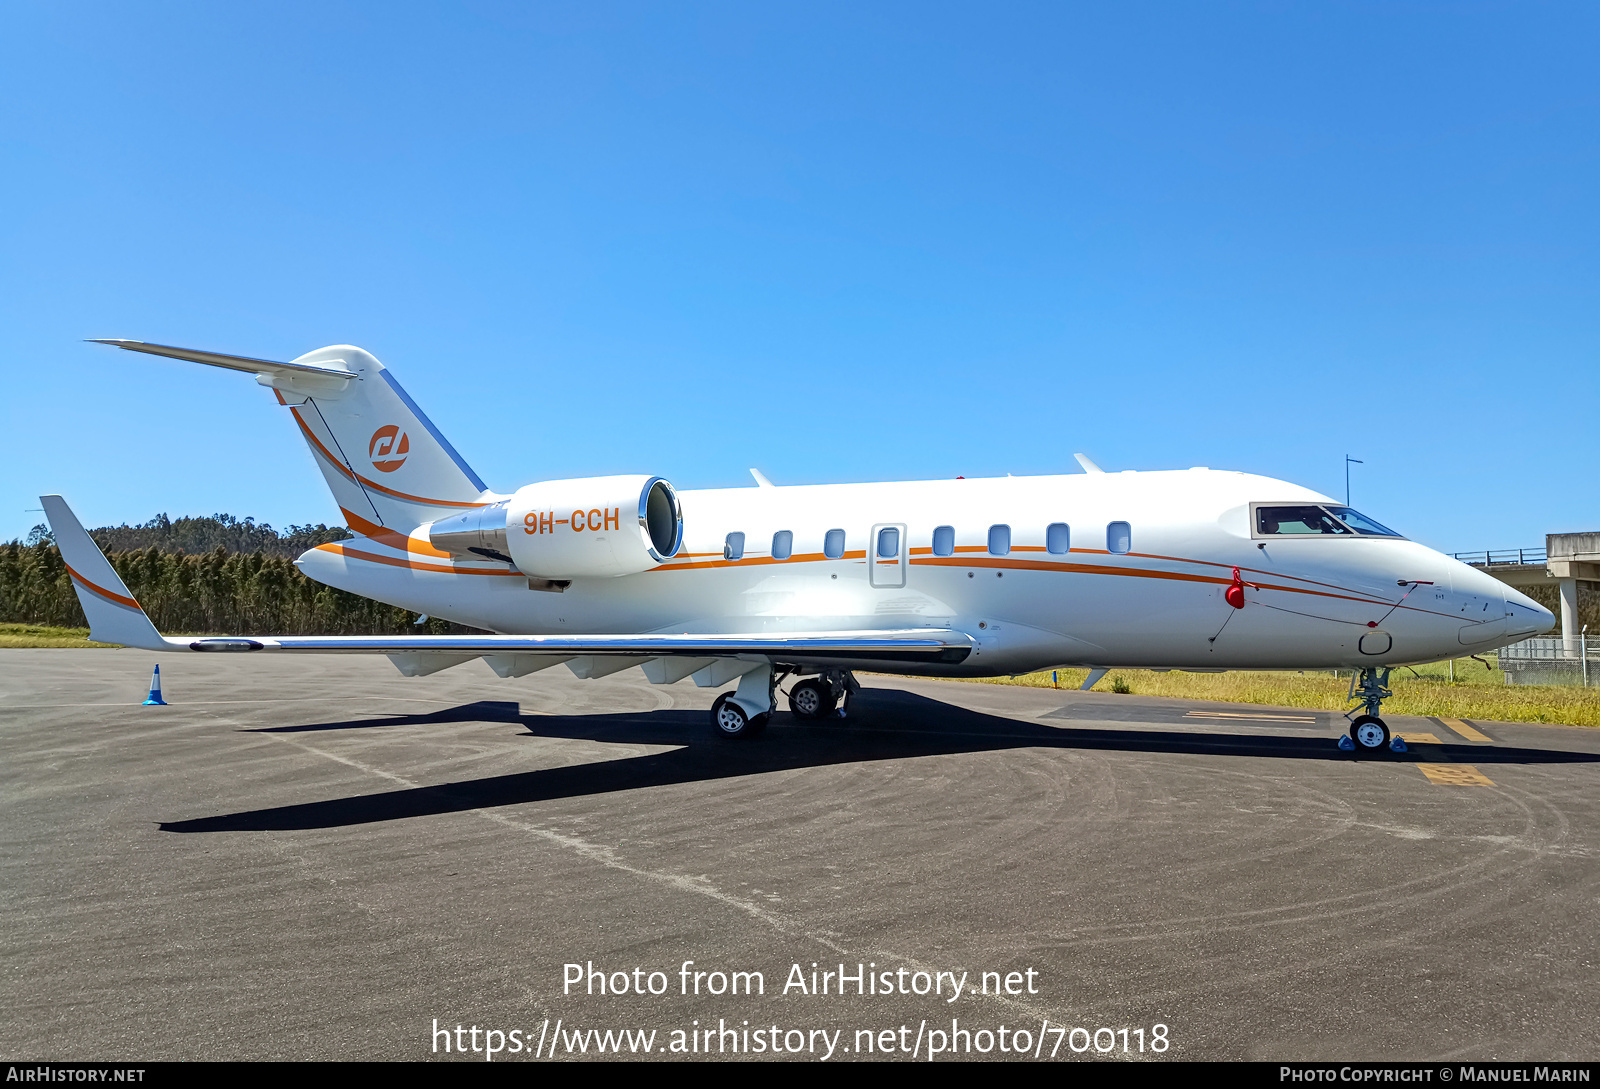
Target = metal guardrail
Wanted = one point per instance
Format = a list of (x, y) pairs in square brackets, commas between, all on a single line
[(1493, 558), (1551, 650), (1552, 661)]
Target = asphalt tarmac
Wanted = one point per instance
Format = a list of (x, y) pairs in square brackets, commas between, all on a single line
[(313, 858)]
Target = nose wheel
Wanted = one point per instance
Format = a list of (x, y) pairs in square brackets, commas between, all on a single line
[(1369, 733)]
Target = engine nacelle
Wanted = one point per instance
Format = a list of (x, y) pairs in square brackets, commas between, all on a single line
[(596, 527)]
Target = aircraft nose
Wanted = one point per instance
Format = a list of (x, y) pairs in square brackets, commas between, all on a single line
[(1527, 615)]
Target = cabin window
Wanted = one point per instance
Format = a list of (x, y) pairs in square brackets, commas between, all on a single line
[(734, 549), (833, 544), (888, 543), (999, 540), (944, 541), (1058, 538), (782, 544), (1119, 537)]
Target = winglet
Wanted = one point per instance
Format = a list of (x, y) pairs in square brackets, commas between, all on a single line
[(761, 481), (1088, 466), (114, 616)]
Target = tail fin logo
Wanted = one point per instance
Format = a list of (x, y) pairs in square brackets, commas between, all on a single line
[(388, 448)]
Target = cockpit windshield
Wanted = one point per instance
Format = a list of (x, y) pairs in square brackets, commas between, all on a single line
[(1361, 523), (1317, 520)]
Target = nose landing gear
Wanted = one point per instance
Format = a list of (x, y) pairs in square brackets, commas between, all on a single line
[(1367, 730)]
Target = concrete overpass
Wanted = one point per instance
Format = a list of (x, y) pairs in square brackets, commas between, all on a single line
[(1569, 558)]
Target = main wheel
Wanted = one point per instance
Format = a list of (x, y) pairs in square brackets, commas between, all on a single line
[(811, 699), (729, 720), (1369, 733)]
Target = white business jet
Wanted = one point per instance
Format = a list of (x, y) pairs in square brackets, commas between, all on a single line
[(1194, 570)]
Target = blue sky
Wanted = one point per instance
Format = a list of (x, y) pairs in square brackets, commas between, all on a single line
[(837, 242)]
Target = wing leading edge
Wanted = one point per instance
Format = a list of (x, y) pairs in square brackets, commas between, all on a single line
[(904, 645)]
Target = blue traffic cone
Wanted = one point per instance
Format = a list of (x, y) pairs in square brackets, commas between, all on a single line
[(154, 698)]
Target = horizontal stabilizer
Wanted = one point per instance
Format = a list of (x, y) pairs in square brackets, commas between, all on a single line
[(233, 362), (384, 460)]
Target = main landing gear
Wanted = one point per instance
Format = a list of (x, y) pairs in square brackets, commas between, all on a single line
[(824, 696), (1367, 730), (744, 711), (732, 721)]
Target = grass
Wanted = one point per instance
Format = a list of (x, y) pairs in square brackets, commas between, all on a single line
[(1476, 693), (40, 635)]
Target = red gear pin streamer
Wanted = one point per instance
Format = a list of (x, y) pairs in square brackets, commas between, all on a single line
[(1235, 591)]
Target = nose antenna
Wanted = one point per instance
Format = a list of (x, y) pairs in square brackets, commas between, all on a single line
[(1413, 583)]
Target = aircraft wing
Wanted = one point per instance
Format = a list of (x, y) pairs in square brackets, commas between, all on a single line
[(115, 617), (904, 645)]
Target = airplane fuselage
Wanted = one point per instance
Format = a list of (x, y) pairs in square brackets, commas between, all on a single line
[(1138, 577)]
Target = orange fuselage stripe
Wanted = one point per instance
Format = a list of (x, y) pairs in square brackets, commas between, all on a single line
[(749, 561), (339, 549), (393, 538), (1049, 565), (929, 561)]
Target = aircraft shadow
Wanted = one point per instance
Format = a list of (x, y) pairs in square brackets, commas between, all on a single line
[(889, 725), (482, 711)]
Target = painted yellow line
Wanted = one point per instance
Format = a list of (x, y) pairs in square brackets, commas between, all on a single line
[(1238, 714), (1467, 731), (1419, 739), (1461, 775)]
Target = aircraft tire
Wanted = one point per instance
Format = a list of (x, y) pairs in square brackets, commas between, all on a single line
[(1370, 734), (729, 721), (811, 700)]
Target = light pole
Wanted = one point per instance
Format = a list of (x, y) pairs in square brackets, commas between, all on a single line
[(1347, 460)]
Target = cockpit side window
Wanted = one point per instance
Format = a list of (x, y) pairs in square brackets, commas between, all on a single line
[(1297, 522), (1313, 520)]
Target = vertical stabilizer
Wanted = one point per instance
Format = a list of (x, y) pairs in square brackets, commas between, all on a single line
[(382, 457)]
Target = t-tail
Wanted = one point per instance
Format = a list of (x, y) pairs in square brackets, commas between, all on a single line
[(383, 459)]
